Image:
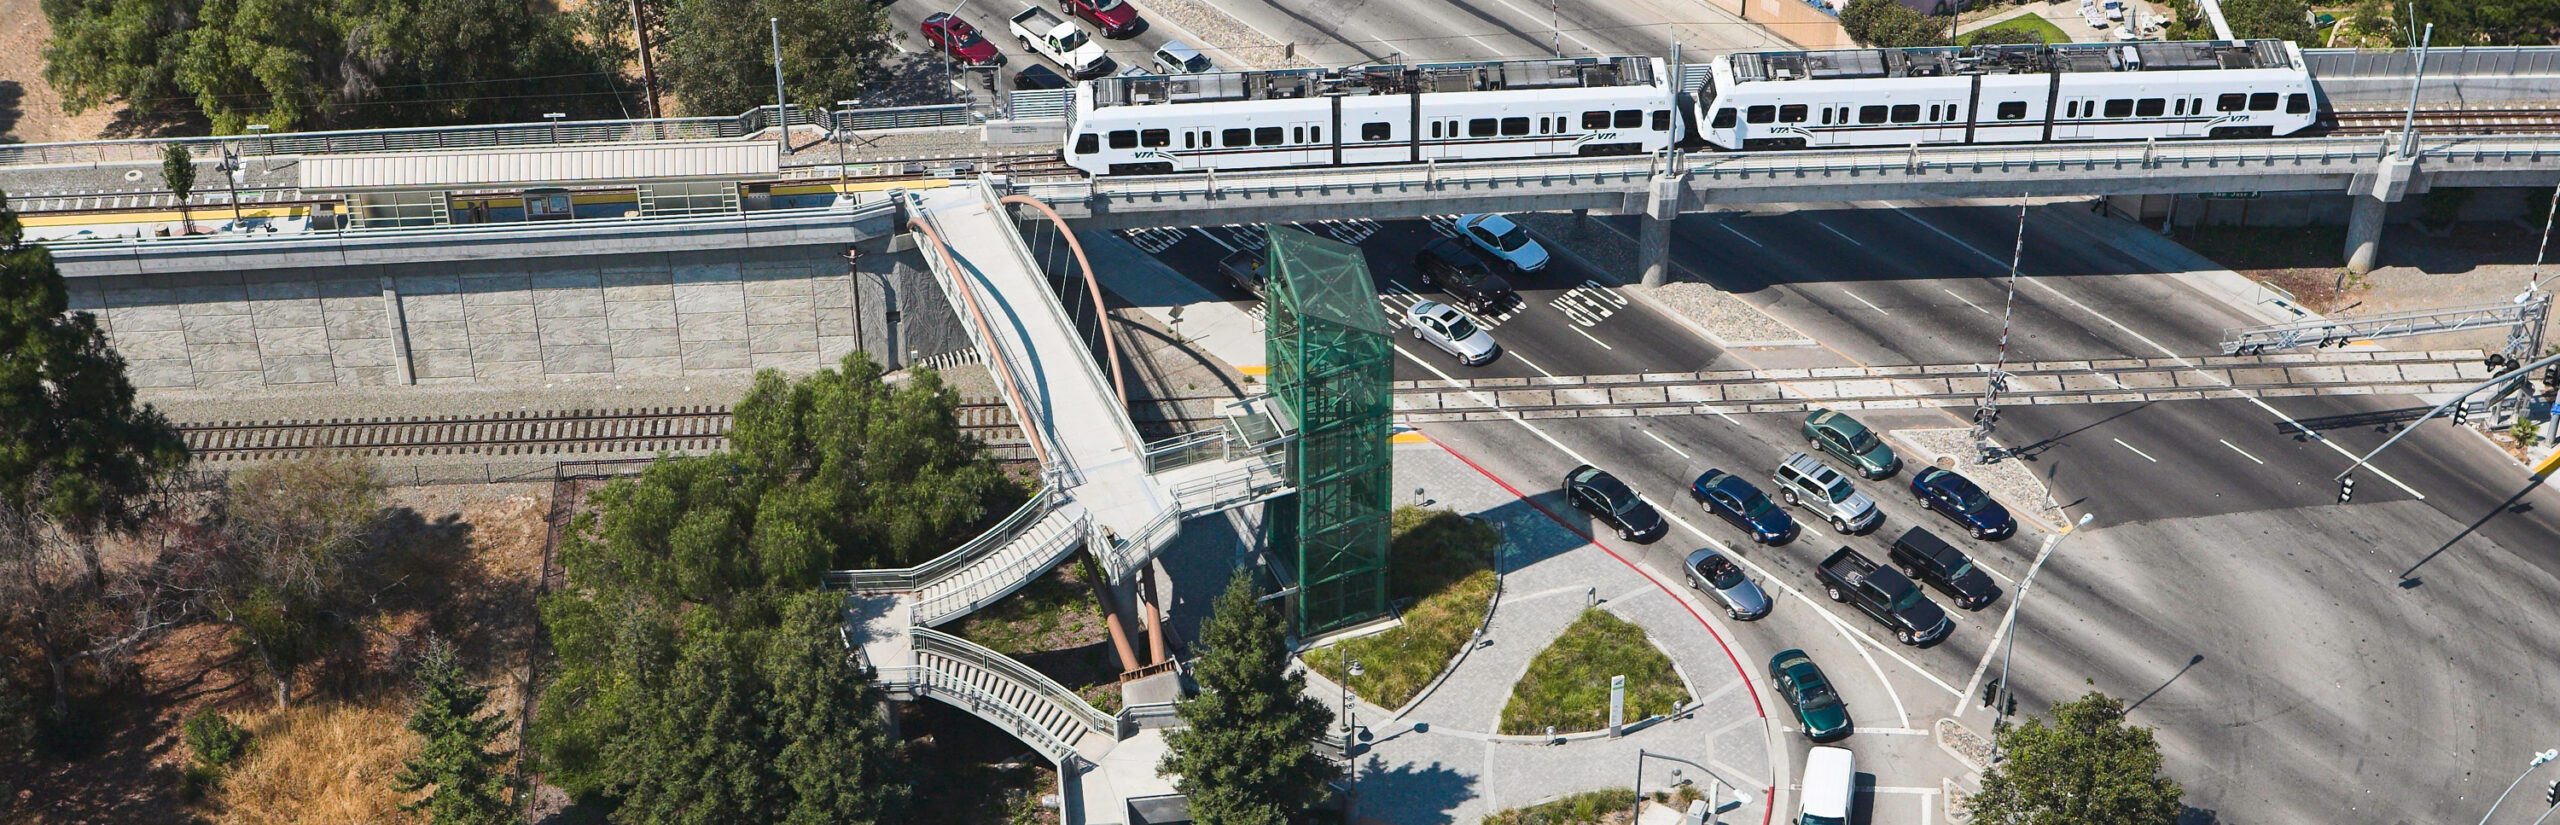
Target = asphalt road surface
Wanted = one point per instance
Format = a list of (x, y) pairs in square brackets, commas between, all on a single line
[(2302, 661)]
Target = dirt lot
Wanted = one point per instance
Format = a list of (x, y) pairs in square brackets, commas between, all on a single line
[(30, 110), (459, 562)]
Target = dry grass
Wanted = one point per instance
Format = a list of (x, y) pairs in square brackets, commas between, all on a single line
[(316, 763), (32, 110)]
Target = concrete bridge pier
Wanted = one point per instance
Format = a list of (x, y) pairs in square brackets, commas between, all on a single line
[(1661, 207), (2372, 197)]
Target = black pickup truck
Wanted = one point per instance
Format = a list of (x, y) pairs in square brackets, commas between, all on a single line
[(1885, 595)]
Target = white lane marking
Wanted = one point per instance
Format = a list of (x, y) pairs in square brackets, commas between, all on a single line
[(1892, 732), (1532, 364), (1889, 691), (1870, 304), (2181, 359), (1852, 634), (1967, 302), (1673, 447), (2236, 448), (2136, 450), (1843, 235), (1578, 331), (1738, 234), (2006, 620)]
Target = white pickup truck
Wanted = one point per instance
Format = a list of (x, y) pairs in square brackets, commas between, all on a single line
[(1041, 31)]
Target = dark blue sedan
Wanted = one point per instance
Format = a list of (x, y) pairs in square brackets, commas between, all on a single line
[(1742, 505), (1957, 498)]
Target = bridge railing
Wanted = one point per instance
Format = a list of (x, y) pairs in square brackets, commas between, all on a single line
[(893, 580), (927, 679), (460, 231)]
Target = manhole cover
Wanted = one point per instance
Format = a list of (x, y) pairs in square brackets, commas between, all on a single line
[(1946, 462)]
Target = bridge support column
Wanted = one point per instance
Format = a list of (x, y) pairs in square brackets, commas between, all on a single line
[(1661, 207), (2373, 198)]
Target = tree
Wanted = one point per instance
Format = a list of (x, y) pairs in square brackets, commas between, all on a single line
[(2278, 19), (288, 528), (78, 457), (110, 50), (1246, 758), (455, 761), (1890, 24), (2085, 767), (2487, 22), (719, 55), (178, 169), (2003, 35)]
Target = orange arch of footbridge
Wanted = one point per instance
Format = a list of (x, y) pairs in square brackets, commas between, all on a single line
[(1004, 368), (1110, 350)]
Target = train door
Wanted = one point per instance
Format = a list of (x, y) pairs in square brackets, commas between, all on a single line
[(2073, 123), (1440, 137), (1946, 118), (1313, 145)]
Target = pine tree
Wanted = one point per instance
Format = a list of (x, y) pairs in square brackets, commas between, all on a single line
[(178, 169), (1246, 758), (469, 788)]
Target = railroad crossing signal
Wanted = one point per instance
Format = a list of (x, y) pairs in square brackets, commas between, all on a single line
[(2346, 488)]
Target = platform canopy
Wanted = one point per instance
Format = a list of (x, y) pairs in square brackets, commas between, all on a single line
[(530, 167)]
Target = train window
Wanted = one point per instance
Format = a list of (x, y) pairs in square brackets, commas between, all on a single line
[(1595, 120), (2071, 109), (2120, 107), (1297, 134), (2263, 102), (1435, 128), (1155, 138), (1543, 126), (1724, 119), (1906, 113), (1315, 133), (1087, 144), (1662, 120), (1791, 113), (1826, 115), (1630, 119), (2149, 107), (2013, 110), (1955, 112), (1761, 114), (1515, 126), (1376, 131), (2180, 107), (1266, 136), (1232, 138), (1124, 139), (1872, 114), (2231, 103), (1483, 127), (1933, 113), (2297, 104), (1188, 138)]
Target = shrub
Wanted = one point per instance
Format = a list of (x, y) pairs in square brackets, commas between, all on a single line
[(214, 739)]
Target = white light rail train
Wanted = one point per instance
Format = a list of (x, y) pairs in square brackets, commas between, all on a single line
[(1590, 106)]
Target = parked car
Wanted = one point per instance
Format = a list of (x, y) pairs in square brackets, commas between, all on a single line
[(1885, 595), (1963, 502), (1851, 442), (1244, 268), (1804, 481), (957, 38), (1452, 331), (1594, 491), (1116, 18), (1177, 57), (1809, 696), (1742, 505), (1042, 33), (1450, 268), (1039, 77), (1504, 240), (1924, 556), (1722, 580)]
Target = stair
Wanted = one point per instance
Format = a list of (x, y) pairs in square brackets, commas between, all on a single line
[(1005, 569), (993, 687)]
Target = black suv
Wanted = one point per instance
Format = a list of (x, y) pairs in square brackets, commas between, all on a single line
[(1593, 490), (1450, 268), (1924, 556)]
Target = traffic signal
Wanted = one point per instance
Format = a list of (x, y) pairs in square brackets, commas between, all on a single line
[(2552, 797), (2346, 488), (2461, 414), (1990, 692)]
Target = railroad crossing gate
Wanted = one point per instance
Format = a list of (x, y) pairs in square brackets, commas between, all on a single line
[(1332, 358)]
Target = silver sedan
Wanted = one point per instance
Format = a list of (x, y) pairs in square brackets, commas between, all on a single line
[(1452, 331), (1722, 580)]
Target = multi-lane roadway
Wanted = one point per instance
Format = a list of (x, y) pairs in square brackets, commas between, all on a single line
[(2370, 662)]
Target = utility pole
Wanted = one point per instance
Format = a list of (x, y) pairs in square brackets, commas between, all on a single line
[(648, 62), (2409, 124), (781, 107), (1986, 417)]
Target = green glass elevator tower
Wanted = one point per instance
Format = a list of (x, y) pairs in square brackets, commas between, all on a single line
[(1331, 358)]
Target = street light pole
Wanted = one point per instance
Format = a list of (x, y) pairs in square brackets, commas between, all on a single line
[(781, 107), (2409, 124), (2538, 759), (2017, 617), (1350, 742)]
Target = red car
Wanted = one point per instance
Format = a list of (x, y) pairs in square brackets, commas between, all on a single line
[(960, 40), (1116, 18)]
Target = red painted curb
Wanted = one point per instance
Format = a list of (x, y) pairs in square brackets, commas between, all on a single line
[(1769, 797)]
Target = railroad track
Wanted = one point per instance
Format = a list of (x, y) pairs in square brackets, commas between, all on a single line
[(641, 431), (2469, 121)]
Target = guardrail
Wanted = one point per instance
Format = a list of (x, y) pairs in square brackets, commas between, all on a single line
[(905, 117), (1086, 362), (893, 580), (1258, 477), (1035, 104), (985, 587), (964, 656), (1134, 718), (1186, 449), (546, 228)]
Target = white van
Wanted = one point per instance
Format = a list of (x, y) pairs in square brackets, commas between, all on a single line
[(1176, 57), (1830, 787)]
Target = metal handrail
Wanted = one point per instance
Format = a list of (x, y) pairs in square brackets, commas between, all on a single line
[(975, 593), (1085, 362), (912, 578), (1004, 667), (1185, 450), (1116, 556), (1261, 476)]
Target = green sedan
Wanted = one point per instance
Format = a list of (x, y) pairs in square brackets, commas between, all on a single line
[(1846, 439), (1809, 695)]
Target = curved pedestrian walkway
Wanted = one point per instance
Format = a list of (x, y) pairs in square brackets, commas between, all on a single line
[(1444, 760)]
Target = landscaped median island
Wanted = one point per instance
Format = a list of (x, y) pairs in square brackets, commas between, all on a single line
[(1441, 565), (1567, 685), (1601, 807)]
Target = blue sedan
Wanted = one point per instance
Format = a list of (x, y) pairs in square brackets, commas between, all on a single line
[(1957, 498), (1742, 505)]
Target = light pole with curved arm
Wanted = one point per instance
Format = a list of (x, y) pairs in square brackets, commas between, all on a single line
[(2538, 759)]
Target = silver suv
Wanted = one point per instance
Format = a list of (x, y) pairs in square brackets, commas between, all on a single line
[(1804, 481)]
